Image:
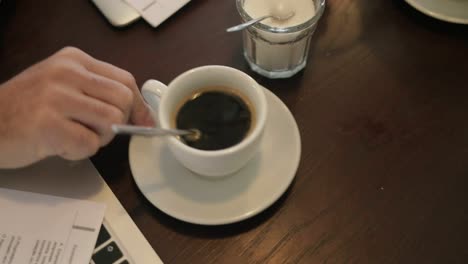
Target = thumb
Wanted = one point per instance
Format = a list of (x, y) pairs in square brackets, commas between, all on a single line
[(142, 115)]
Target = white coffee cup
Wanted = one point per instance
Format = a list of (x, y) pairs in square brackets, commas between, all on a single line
[(166, 99)]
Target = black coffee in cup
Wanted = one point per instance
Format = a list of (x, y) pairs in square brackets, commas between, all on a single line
[(222, 115)]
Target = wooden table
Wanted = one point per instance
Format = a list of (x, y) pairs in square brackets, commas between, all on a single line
[(382, 109)]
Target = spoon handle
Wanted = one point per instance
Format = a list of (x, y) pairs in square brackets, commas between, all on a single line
[(247, 24), (147, 131)]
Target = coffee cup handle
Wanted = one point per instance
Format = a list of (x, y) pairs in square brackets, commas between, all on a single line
[(152, 92)]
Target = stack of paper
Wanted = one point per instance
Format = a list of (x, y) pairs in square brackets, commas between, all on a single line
[(44, 229), (156, 11)]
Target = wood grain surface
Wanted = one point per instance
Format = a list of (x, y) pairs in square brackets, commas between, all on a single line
[(382, 109)]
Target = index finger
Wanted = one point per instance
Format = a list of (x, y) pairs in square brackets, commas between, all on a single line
[(140, 113)]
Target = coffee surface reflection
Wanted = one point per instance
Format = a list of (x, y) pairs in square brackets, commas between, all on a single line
[(223, 117)]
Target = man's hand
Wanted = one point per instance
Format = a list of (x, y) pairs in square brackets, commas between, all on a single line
[(64, 106)]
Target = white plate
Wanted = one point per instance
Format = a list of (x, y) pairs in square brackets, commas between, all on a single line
[(192, 198), (455, 11)]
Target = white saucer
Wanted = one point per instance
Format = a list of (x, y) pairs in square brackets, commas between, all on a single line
[(192, 198), (454, 11)]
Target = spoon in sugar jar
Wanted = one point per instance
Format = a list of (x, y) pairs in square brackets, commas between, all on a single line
[(280, 11)]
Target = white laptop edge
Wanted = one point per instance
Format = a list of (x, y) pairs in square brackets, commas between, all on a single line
[(81, 180)]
